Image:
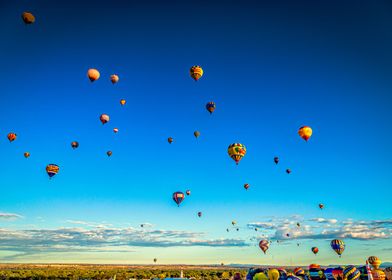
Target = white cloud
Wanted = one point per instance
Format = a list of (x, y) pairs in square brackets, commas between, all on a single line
[(10, 216)]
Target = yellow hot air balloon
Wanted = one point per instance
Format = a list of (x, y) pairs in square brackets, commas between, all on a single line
[(378, 274), (305, 132), (236, 151), (28, 18), (273, 274), (374, 261), (93, 74), (114, 78), (123, 102), (196, 72)]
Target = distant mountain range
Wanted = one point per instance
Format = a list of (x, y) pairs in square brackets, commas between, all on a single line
[(383, 265)]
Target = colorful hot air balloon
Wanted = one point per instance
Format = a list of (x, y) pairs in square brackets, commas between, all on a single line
[(11, 137), (196, 72), (233, 223), (246, 186), (288, 170), (104, 118), (273, 274), (315, 250), (52, 169), (196, 133), (114, 79), (338, 246), (314, 266), (210, 106), (276, 160), (74, 144), (115, 130), (28, 18), (264, 245), (170, 140), (378, 274), (178, 197), (351, 273), (305, 132), (236, 151), (123, 102), (299, 271), (199, 214), (93, 74), (374, 262), (26, 154), (109, 153), (321, 206), (188, 192)]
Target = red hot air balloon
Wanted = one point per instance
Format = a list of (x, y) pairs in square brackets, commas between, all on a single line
[(104, 118), (246, 186), (264, 245), (178, 197), (315, 250)]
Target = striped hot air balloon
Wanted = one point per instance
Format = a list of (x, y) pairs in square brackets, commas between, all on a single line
[(338, 246), (299, 271), (236, 151), (196, 72), (264, 245), (211, 106), (374, 262), (178, 197), (351, 273), (52, 169)]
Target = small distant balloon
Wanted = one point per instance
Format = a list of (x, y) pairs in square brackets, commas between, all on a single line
[(52, 169), (11, 136), (170, 140), (155, 260), (188, 192), (233, 223), (123, 102), (115, 130), (315, 250), (74, 144), (28, 18), (199, 214), (26, 154), (109, 153), (276, 160), (321, 206), (298, 225), (211, 106), (196, 72), (246, 186), (104, 118), (114, 79), (196, 133), (305, 132), (264, 245), (93, 74), (288, 171)]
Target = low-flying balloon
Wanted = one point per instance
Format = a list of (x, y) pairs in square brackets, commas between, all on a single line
[(123, 102), (264, 245), (378, 274), (52, 169), (299, 271), (211, 106), (196, 134), (104, 118), (26, 154), (305, 132), (170, 140), (11, 137), (196, 72), (74, 144), (315, 250), (338, 246), (236, 151), (246, 186), (93, 74), (114, 79), (178, 197), (374, 262), (28, 18), (351, 273)]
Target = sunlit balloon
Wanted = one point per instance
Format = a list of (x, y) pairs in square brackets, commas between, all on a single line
[(338, 246), (123, 102), (246, 186), (11, 137), (93, 74), (196, 134), (114, 78), (211, 106), (305, 132), (196, 72), (374, 262), (378, 274), (351, 273), (337, 272), (26, 154), (299, 271), (178, 197), (115, 130), (236, 151), (170, 140), (28, 18), (104, 118), (74, 144), (52, 169), (315, 250), (264, 245), (273, 274)]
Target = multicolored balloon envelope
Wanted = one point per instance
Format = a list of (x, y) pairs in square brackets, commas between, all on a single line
[(11, 137), (211, 106), (52, 169), (196, 72), (374, 261), (178, 197), (299, 271), (264, 245), (315, 250), (351, 273), (338, 246), (305, 132), (236, 151)]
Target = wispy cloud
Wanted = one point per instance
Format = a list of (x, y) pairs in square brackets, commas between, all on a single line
[(10, 216)]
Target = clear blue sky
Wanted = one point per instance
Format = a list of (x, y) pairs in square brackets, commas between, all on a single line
[(270, 67)]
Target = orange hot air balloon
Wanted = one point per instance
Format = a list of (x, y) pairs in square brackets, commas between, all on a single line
[(109, 153), (93, 74), (196, 72), (315, 250), (305, 132), (374, 261), (115, 130), (74, 144), (123, 102), (26, 154), (11, 137), (170, 140), (28, 18), (114, 79), (104, 118)]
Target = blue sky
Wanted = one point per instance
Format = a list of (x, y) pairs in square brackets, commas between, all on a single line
[(269, 67)]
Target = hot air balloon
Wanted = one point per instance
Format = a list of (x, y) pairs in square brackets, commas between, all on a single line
[(178, 197), (321, 206), (374, 262), (74, 144), (256, 229), (288, 171), (104, 118), (196, 133), (93, 74), (351, 273), (273, 274), (170, 140), (196, 72), (338, 246), (314, 266), (246, 186), (305, 132), (299, 271), (378, 274), (227, 230), (287, 234), (199, 214), (28, 18), (114, 79), (26, 154), (52, 169), (210, 106), (155, 260), (237, 229), (236, 151), (298, 225), (123, 102), (11, 137), (115, 130), (315, 250), (264, 245), (276, 160), (233, 223), (188, 192), (109, 153)]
